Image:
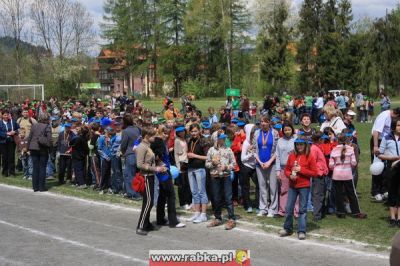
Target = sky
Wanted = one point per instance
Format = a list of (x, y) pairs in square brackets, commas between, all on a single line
[(361, 8)]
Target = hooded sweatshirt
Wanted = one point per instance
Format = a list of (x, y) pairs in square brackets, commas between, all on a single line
[(283, 148), (248, 157)]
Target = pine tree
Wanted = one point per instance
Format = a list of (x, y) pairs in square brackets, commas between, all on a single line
[(273, 48), (328, 48), (309, 30)]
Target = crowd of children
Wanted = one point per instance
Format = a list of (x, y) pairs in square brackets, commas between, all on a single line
[(218, 157)]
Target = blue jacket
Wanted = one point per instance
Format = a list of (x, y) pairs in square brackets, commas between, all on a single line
[(115, 144), (103, 149), (11, 125), (3, 133)]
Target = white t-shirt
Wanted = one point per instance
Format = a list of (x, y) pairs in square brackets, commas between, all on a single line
[(319, 104), (382, 123), (336, 124)]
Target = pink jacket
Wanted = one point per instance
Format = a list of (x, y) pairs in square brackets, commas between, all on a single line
[(342, 170), (319, 156)]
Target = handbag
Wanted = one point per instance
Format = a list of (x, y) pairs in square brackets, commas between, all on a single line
[(138, 183), (43, 141)]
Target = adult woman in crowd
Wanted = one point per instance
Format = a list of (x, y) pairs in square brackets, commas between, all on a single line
[(197, 155), (39, 142), (266, 139), (333, 119), (130, 134)]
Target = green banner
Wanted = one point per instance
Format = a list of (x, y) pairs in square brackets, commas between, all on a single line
[(232, 92), (90, 86)]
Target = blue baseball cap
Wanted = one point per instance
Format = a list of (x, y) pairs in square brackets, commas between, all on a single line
[(241, 124), (180, 129), (299, 140), (105, 122), (234, 120), (348, 135), (74, 119), (324, 136), (222, 136), (278, 126), (67, 125), (275, 119), (205, 125)]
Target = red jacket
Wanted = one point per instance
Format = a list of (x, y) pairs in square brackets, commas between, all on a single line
[(237, 143), (308, 169)]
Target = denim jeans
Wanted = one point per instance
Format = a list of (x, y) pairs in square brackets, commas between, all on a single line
[(302, 220), (129, 174), (27, 165), (51, 163), (116, 174), (222, 186), (197, 182)]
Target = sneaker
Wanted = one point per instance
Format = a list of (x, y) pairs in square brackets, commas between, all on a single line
[(261, 213), (301, 236), (360, 216), (50, 178), (82, 186), (200, 219), (214, 223), (230, 224), (385, 195), (284, 232), (180, 225), (378, 197), (188, 207), (110, 191), (249, 210), (194, 217), (270, 215), (101, 192), (30, 178), (340, 215), (393, 223)]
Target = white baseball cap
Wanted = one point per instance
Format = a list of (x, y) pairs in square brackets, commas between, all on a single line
[(351, 112)]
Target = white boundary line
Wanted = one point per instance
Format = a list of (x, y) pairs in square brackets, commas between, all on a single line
[(74, 243), (133, 209)]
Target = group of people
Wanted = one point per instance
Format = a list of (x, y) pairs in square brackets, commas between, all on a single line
[(293, 171)]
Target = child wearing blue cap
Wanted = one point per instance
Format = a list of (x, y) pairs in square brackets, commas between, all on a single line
[(221, 161), (300, 168)]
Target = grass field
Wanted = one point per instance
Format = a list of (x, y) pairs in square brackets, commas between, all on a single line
[(373, 230)]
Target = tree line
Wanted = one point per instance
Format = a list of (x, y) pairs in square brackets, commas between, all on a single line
[(205, 46), (50, 42)]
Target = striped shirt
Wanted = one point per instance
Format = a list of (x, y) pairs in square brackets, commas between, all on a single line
[(342, 170)]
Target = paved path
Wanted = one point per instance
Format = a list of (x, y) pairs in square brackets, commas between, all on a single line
[(48, 229)]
